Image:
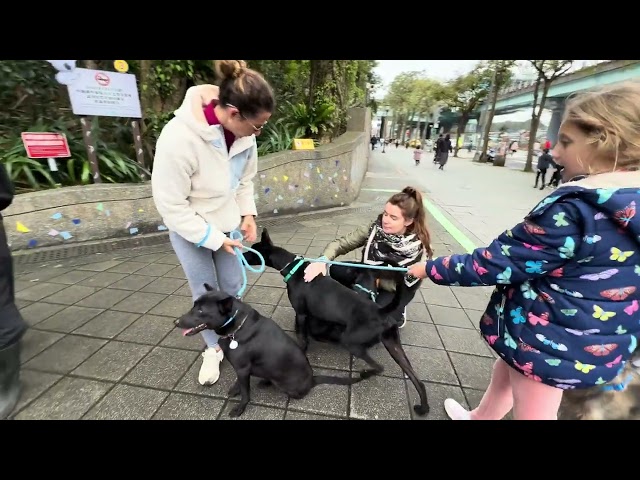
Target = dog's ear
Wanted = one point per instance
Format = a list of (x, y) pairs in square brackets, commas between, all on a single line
[(208, 287), (265, 238), (226, 304)]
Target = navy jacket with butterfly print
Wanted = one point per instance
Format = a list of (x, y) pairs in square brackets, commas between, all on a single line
[(565, 310)]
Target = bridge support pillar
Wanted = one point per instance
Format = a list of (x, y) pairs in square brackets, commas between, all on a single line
[(556, 105)]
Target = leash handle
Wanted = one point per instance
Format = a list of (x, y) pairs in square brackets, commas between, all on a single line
[(244, 266)]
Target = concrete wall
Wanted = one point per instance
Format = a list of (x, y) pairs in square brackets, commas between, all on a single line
[(287, 182)]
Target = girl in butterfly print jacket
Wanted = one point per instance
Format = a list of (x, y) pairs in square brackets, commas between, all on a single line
[(566, 308), (565, 312)]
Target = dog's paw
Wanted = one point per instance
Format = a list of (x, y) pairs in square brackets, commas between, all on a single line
[(421, 409), (234, 391), (364, 374), (237, 411), (303, 342)]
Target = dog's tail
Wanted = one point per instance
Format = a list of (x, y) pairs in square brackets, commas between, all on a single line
[(330, 380)]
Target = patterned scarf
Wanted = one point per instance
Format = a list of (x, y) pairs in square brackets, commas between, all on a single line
[(392, 250)]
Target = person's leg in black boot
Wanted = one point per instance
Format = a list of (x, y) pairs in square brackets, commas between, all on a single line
[(10, 387), (12, 325), (543, 175)]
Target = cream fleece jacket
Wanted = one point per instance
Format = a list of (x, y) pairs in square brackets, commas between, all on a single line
[(201, 189)]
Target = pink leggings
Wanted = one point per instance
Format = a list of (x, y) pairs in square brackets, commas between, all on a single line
[(508, 389)]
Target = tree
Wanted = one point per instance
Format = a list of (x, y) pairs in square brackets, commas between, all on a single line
[(548, 71), (501, 75), (399, 98), (429, 94), (337, 85), (465, 93)]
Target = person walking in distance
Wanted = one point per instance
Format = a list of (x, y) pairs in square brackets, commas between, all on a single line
[(443, 146), (417, 154), (544, 162)]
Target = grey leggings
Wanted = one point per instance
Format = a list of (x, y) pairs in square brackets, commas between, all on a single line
[(220, 270)]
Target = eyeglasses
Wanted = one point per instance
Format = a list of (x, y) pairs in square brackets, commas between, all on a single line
[(256, 129)]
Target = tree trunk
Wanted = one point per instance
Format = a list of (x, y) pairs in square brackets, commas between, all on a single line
[(411, 127), (462, 125), (535, 122), (487, 128), (416, 130), (323, 86), (146, 102), (533, 128), (423, 137)]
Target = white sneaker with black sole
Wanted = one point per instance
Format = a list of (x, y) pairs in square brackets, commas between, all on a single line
[(404, 318)]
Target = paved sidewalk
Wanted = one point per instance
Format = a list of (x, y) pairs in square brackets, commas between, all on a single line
[(102, 345), (480, 199)]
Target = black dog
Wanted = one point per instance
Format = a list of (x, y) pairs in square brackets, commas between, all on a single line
[(328, 311), (255, 345)]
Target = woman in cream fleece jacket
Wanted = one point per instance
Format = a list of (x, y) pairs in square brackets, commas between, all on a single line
[(206, 158)]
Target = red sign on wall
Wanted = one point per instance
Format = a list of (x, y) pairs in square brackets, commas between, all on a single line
[(45, 145)]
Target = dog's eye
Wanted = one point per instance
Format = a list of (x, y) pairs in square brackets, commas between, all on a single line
[(200, 311)]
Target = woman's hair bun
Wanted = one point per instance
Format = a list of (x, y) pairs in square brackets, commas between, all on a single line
[(230, 68), (410, 191)]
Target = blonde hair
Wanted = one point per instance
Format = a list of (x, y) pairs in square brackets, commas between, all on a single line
[(610, 118), (244, 88)]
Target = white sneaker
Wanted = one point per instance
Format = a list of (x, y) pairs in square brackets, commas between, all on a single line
[(404, 318), (455, 410), (210, 369)]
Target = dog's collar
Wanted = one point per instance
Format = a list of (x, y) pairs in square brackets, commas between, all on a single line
[(371, 293), (232, 334), (618, 387), (230, 319), (294, 269)]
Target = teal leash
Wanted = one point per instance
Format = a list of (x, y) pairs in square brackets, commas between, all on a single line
[(244, 266), (357, 265)]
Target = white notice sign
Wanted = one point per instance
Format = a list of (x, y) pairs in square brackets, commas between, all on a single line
[(105, 94)]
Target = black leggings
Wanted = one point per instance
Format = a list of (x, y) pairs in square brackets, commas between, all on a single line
[(345, 275), (542, 172)]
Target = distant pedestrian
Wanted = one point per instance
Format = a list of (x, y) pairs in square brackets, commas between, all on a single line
[(417, 154), (443, 148)]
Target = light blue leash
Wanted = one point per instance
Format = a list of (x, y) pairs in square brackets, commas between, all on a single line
[(357, 265), (244, 266)]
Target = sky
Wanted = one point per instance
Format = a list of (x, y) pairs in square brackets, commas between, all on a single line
[(444, 70)]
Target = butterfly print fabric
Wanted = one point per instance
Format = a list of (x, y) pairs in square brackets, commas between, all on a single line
[(566, 308)]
